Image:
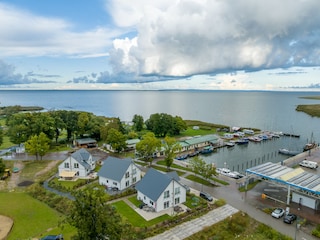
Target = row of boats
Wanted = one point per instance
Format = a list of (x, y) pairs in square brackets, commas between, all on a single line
[(257, 138), (205, 150)]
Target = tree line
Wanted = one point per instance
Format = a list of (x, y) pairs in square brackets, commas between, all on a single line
[(39, 130)]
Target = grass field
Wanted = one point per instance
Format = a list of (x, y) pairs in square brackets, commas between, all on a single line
[(31, 217), (134, 218)]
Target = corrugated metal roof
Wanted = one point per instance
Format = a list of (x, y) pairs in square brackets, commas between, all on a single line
[(291, 174), (199, 139), (297, 178)]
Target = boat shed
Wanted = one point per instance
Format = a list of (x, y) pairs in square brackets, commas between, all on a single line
[(305, 186), (199, 142)]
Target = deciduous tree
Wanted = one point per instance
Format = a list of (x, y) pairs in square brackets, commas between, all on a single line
[(94, 218), (116, 139), (38, 145), (137, 122), (148, 146), (200, 167), (171, 147)]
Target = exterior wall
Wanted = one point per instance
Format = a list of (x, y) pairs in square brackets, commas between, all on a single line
[(74, 166), (304, 200), (92, 163), (172, 196), (146, 200), (133, 176), (109, 183)]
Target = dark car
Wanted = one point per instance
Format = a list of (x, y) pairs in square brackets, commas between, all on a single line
[(53, 237), (289, 218), (206, 196)]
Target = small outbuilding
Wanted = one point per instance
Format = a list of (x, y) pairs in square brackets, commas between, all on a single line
[(86, 143)]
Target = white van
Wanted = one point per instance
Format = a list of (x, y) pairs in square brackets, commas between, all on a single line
[(308, 164)]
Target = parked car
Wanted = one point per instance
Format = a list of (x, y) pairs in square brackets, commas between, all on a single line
[(53, 237), (289, 218), (206, 196), (277, 213)]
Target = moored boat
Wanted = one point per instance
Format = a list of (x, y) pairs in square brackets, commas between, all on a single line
[(310, 146), (206, 150), (242, 141), (230, 144), (288, 152)]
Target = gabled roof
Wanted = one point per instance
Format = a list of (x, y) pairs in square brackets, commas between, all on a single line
[(115, 168), (85, 141), (82, 157), (199, 139), (154, 183)]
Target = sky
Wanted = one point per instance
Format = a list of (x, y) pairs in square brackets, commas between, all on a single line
[(160, 44)]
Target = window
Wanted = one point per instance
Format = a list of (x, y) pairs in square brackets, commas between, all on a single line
[(66, 165), (127, 174), (151, 202), (115, 183), (166, 204), (76, 165), (176, 201), (134, 171), (127, 183), (177, 190), (166, 194), (134, 180)]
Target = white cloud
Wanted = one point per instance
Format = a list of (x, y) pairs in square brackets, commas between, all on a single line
[(25, 34), (189, 37)]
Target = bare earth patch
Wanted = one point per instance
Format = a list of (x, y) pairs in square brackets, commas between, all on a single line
[(6, 224)]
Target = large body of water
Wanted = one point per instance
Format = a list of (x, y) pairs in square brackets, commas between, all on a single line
[(274, 111)]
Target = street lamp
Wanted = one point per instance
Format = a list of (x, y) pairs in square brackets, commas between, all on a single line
[(297, 225)]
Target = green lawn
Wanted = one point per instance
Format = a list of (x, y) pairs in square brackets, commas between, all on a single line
[(164, 169), (163, 163), (32, 218), (134, 218)]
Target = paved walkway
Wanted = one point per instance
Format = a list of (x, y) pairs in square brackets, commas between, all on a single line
[(187, 229)]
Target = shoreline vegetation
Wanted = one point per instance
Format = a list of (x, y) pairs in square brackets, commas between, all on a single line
[(311, 109)]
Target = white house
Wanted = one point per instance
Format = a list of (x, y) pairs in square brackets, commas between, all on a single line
[(79, 163), (119, 173), (161, 191)]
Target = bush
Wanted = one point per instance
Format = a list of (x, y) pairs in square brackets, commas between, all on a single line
[(316, 231), (220, 202)]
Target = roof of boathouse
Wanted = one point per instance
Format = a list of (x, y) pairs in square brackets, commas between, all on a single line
[(199, 139), (295, 177)]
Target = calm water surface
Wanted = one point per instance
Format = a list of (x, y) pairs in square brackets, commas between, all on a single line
[(273, 111)]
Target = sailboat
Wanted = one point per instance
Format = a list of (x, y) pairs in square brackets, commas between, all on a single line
[(310, 145), (289, 152)]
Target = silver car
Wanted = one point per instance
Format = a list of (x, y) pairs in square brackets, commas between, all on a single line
[(277, 213)]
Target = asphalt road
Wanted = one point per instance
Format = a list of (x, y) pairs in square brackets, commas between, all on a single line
[(247, 203)]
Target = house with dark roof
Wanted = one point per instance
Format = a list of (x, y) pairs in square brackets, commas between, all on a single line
[(161, 190), (80, 163), (119, 173)]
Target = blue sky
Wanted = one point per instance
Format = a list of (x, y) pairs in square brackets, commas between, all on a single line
[(160, 44)]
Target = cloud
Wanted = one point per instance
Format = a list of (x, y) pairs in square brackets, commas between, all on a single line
[(25, 34), (189, 37), (9, 77)]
